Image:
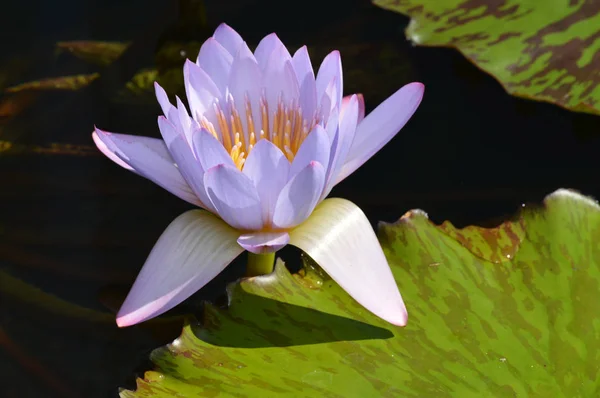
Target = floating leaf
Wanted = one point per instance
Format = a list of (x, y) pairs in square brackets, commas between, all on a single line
[(71, 83), (528, 327), (14, 287), (542, 50), (96, 52)]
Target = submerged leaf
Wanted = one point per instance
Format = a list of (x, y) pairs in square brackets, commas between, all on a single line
[(541, 50), (96, 52), (527, 327), (71, 83)]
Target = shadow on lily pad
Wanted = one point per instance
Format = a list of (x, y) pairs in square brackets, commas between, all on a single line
[(276, 323)]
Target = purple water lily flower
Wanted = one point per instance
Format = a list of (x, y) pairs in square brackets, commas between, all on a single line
[(264, 145)]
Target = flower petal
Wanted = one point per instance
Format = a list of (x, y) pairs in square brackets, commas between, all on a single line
[(342, 143), (193, 249), (331, 70), (150, 158), (361, 106), (299, 196), (339, 237), (263, 242), (216, 61), (316, 146), (302, 65), (234, 196), (167, 131), (181, 120), (332, 125), (244, 83), (268, 168), (265, 49), (188, 165), (109, 152), (306, 81), (201, 91), (228, 38), (208, 150), (381, 125), (163, 99), (280, 82)]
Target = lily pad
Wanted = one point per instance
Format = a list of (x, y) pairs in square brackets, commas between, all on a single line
[(541, 50), (527, 327)]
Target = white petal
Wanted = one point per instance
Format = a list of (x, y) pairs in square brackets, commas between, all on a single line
[(194, 249), (339, 237)]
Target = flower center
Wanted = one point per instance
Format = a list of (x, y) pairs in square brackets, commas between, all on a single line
[(286, 127)]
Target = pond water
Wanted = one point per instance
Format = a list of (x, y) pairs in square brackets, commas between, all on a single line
[(76, 228)]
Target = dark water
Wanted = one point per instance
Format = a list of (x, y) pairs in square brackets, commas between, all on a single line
[(75, 228)]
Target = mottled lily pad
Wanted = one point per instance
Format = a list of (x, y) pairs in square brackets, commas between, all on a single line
[(542, 50), (527, 327)]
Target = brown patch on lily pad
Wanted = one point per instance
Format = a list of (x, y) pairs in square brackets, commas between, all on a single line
[(496, 245), (533, 53)]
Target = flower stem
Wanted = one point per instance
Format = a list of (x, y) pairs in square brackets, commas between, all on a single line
[(260, 264)]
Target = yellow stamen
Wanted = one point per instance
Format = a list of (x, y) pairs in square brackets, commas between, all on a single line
[(286, 127)]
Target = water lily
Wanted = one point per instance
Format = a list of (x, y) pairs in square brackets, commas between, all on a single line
[(264, 143)]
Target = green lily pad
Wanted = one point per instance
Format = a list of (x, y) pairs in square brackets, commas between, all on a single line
[(541, 50), (525, 327)]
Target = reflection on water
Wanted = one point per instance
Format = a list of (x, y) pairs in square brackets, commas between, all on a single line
[(76, 228)]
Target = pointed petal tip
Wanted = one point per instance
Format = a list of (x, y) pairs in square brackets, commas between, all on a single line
[(417, 86), (223, 25), (189, 63), (194, 248), (400, 319), (362, 271), (122, 322), (126, 319), (131, 318)]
